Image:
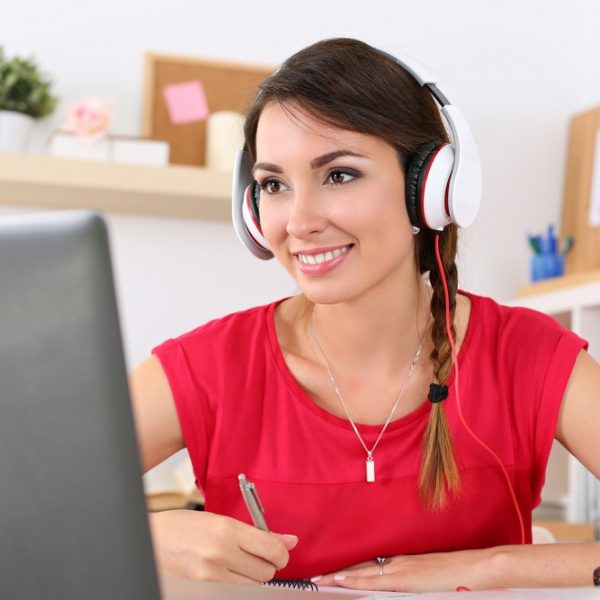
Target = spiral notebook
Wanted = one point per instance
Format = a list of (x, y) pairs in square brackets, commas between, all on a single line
[(185, 589)]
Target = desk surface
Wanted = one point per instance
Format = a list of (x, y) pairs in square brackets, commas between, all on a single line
[(181, 589)]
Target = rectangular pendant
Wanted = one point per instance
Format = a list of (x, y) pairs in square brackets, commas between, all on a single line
[(370, 470)]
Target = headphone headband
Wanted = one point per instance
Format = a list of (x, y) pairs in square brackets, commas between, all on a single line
[(464, 190)]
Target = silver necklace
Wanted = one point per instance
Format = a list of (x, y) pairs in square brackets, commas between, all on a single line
[(370, 462)]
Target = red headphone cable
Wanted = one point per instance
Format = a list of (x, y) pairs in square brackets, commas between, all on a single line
[(456, 388)]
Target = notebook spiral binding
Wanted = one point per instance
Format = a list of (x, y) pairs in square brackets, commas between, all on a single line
[(298, 584)]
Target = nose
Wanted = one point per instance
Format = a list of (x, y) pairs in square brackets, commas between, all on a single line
[(306, 215)]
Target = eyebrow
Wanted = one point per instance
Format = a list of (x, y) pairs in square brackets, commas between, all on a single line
[(315, 163)]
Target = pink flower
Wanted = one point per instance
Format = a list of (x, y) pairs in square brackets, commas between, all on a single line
[(90, 117)]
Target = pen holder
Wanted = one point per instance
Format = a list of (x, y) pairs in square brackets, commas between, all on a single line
[(545, 266)]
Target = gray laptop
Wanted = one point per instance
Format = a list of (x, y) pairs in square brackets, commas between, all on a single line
[(72, 512)]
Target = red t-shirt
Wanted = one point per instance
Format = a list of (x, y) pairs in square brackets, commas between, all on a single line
[(242, 411)]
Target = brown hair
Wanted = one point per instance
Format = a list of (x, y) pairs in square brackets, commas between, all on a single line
[(351, 85)]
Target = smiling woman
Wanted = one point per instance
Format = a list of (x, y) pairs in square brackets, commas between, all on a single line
[(340, 120), (398, 429)]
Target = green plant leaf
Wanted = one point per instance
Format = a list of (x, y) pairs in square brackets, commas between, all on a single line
[(24, 88)]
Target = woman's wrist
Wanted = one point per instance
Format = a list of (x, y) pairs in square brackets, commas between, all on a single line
[(489, 567), (499, 567), (543, 565)]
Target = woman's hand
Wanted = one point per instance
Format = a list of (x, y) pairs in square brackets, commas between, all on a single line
[(210, 547), (528, 565), (436, 572)]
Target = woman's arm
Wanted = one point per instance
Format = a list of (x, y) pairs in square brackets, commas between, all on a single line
[(543, 565), (550, 565), (157, 425), (193, 544), (578, 427)]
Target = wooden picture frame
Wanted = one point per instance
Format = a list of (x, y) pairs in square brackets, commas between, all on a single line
[(583, 165), (227, 85)]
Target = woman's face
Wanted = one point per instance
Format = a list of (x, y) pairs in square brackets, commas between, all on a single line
[(332, 207)]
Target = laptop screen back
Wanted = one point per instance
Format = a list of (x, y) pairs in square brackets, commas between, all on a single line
[(72, 513)]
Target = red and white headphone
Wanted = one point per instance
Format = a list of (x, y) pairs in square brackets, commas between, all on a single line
[(443, 181)]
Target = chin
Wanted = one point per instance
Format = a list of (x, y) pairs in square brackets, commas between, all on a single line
[(326, 292)]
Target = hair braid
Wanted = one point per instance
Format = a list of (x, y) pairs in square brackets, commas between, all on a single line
[(439, 473)]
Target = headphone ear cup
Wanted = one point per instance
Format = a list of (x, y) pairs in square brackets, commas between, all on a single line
[(245, 197), (415, 173), (254, 200), (251, 217)]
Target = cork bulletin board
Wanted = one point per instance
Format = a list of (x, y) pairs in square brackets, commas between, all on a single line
[(227, 86), (581, 205)]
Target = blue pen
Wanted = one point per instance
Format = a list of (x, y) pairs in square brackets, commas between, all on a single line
[(552, 243), (541, 244)]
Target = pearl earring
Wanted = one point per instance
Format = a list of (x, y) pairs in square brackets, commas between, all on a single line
[(415, 230)]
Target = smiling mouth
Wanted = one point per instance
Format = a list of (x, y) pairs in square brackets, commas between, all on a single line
[(318, 259)]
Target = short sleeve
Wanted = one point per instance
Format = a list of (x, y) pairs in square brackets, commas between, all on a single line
[(191, 403), (548, 403)]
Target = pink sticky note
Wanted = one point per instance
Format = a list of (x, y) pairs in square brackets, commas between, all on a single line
[(186, 102)]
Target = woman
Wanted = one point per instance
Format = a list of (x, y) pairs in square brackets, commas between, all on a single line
[(341, 403)]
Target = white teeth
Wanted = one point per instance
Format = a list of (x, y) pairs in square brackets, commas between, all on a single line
[(317, 259)]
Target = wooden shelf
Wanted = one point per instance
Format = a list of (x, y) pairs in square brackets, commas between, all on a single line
[(560, 283), (562, 294), (173, 191)]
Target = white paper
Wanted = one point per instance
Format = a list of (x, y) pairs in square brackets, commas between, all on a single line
[(595, 188), (368, 594), (584, 593)]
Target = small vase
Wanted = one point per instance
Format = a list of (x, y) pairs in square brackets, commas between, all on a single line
[(16, 131)]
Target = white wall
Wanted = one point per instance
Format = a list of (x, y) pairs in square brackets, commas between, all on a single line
[(518, 69)]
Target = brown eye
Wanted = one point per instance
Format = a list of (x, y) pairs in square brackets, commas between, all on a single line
[(340, 177), (272, 186)]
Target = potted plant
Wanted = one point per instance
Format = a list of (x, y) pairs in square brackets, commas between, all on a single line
[(25, 95)]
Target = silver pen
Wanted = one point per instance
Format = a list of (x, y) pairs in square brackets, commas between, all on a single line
[(255, 508)]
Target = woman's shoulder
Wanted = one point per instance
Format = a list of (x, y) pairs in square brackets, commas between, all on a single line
[(247, 324), (517, 328), (490, 311)]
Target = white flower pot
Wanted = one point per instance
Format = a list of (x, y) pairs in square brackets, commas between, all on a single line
[(16, 131)]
